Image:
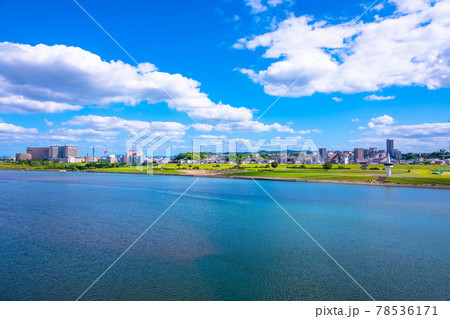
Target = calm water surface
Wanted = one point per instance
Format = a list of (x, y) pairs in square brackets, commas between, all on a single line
[(224, 240)]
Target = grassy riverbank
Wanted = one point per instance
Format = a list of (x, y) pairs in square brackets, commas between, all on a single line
[(402, 174)]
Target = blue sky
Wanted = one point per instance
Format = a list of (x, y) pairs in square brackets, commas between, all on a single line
[(64, 81)]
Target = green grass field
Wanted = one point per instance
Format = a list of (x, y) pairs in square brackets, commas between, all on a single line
[(416, 174), (402, 174)]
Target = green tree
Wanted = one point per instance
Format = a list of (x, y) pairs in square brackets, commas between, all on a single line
[(327, 165), (274, 164)]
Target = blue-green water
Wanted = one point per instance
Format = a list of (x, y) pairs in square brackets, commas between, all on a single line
[(224, 240)]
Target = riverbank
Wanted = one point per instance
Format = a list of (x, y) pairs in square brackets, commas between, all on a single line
[(306, 180), (228, 174)]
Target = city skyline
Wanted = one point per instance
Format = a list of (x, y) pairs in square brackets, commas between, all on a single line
[(305, 154), (217, 69)]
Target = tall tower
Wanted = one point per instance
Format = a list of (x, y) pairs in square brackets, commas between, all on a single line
[(323, 155), (390, 147)]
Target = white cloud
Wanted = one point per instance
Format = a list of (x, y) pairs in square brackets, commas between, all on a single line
[(410, 6), (55, 78), (337, 99), (78, 133), (378, 7), (381, 121), (410, 47), (274, 3), (355, 120), (374, 97), (20, 104), (423, 144), (252, 126), (48, 122), (112, 125), (424, 137), (222, 137), (256, 5), (416, 130), (11, 128), (202, 127), (309, 131)]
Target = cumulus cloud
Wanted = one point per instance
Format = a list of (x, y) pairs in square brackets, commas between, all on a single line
[(113, 125), (11, 128), (77, 133), (309, 131), (256, 5), (19, 104), (381, 121), (374, 97), (202, 127), (410, 6), (378, 7), (48, 122), (355, 120), (409, 47), (274, 3), (430, 136), (252, 126), (337, 99), (416, 130), (222, 137), (411, 144), (56, 78)]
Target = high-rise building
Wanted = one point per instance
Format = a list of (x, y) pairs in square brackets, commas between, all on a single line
[(53, 153), (342, 158), (38, 153), (69, 151), (358, 154), (390, 148), (62, 152), (134, 157), (323, 155)]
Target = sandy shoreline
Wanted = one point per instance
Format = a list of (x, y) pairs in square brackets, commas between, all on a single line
[(216, 174)]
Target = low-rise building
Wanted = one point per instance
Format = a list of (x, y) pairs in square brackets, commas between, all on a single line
[(23, 157), (134, 157), (112, 159), (92, 159), (7, 159)]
